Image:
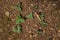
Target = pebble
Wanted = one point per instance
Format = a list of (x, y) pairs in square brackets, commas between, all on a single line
[(30, 31), (7, 13), (35, 35), (44, 31), (59, 31), (54, 4), (30, 36), (51, 29), (12, 19), (32, 5), (35, 25)]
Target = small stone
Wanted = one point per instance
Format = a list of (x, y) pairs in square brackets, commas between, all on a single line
[(59, 31), (59, 0), (31, 4), (7, 13), (9, 38), (30, 36), (51, 28), (30, 31), (35, 35), (12, 19), (54, 4), (44, 31), (35, 25)]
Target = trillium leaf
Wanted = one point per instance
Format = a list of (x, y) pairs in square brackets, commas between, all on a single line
[(19, 6), (19, 19), (43, 23), (17, 29), (14, 30), (40, 31), (35, 6), (30, 15), (22, 20)]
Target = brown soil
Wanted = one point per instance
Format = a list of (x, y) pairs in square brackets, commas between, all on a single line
[(51, 8)]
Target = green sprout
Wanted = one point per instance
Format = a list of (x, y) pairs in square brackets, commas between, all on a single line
[(39, 31), (35, 6), (19, 6), (19, 19), (42, 16), (30, 15), (17, 29), (43, 23)]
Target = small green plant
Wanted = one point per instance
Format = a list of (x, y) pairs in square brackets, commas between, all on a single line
[(42, 16), (30, 15), (39, 31), (19, 19), (35, 6), (43, 23), (17, 29), (19, 6)]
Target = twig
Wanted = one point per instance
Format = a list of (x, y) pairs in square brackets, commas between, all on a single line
[(37, 16)]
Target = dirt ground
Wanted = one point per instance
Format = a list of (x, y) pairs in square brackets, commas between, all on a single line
[(8, 13)]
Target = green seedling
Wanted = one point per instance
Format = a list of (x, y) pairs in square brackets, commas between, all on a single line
[(42, 16), (30, 15), (17, 29), (43, 23), (39, 31), (19, 19), (19, 6), (35, 6)]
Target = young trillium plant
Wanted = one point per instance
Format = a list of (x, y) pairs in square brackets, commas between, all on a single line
[(19, 6), (19, 19), (43, 23), (17, 29), (30, 15)]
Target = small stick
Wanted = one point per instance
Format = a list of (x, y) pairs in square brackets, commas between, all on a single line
[(37, 16)]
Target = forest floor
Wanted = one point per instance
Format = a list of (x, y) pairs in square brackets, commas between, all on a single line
[(29, 19)]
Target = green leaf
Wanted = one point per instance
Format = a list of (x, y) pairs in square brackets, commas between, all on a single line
[(30, 15), (19, 6), (41, 14), (35, 6), (40, 31), (22, 20), (19, 19), (17, 29), (43, 23), (42, 18), (14, 30)]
